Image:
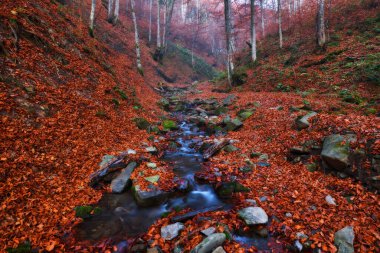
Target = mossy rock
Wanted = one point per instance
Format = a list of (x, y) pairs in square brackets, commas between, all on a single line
[(245, 114), (24, 247), (227, 189), (86, 211), (169, 124), (164, 104), (142, 123)]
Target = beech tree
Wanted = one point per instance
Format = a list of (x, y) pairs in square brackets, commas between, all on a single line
[(229, 44), (116, 12), (169, 6), (262, 17), (137, 40), (110, 10), (150, 21), (321, 34), (279, 22), (158, 25), (253, 32), (92, 17)]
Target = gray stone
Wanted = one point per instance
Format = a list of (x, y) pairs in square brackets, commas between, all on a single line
[(229, 100), (208, 231), (121, 182), (344, 240), (151, 165), (171, 231), (232, 124), (303, 122), (334, 153), (219, 250), (253, 215), (149, 198), (210, 243), (152, 150), (230, 148), (330, 200), (153, 179)]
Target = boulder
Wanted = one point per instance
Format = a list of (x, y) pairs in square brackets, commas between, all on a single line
[(245, 114), (303, 121), (219, 250), (232, 124), (226, 189), (123, 181), (149, 198), (230, 148), (229, 100), (141, 123), (344, 240), (253, 215), (210, 243), (169, 125), (336, 151), (208, 231), (171, 231)]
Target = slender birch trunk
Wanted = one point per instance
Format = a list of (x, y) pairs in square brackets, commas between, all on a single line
[(228, 28), (168, 20), (158, 25), (262, 17), (137, 41), (150, 21), (321, 34), (253, 32), (164, 28), (279, 22), (92, 17), (110, 12), (116, 13)]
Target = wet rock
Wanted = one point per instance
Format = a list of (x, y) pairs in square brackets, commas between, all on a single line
[(303, 121), (219, 250), (131, 152), (262, 232), (227, 189), (251, 201), (171, 231), (253, 215), (169, 125), (344, 240), (153, 179), (149, 198), (245, 169), (330, 200), (263, 198), (139, 248), (230, 148), (229, 100), (152, 150), (298, 245), (245, 114), (141, 123), (336, 151), (122, 247), (232, 124), (289, 215), (208, 231), (210, 243), (300, 150), (151, 165), (255, 154), (121, 182), (182, 184), (164, 104), (154, 250)]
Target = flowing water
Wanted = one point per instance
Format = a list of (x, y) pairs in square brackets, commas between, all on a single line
[(121, 216)]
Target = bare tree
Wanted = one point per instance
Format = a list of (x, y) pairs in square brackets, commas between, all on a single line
[(321, 34), (137, 41), (150, 21), (279, 22), (110, 12), (229, 44), (253, 32), (92, 17), (262, 17), (158, 25), (116, 12), (167, 18)]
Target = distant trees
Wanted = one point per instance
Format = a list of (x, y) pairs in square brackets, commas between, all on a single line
[(158, 25), (150, 22), (279, 22), (92, 17), (113, 11), (229, 39), (253, 32), (321, 34), (137, 41)]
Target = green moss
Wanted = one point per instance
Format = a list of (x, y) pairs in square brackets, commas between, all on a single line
[(86, 211), (24, 247), (169, 125), (141, 123)]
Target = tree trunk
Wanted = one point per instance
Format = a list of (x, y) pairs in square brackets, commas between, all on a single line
[(164, 28), (168, 20), (137, 41), (262, 17), (228, 28), (158, 25), (110, 12), (150, 21), (321, 35), (116, 13), (279, 22), (183, 10), (92, 17), (253, 32)]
